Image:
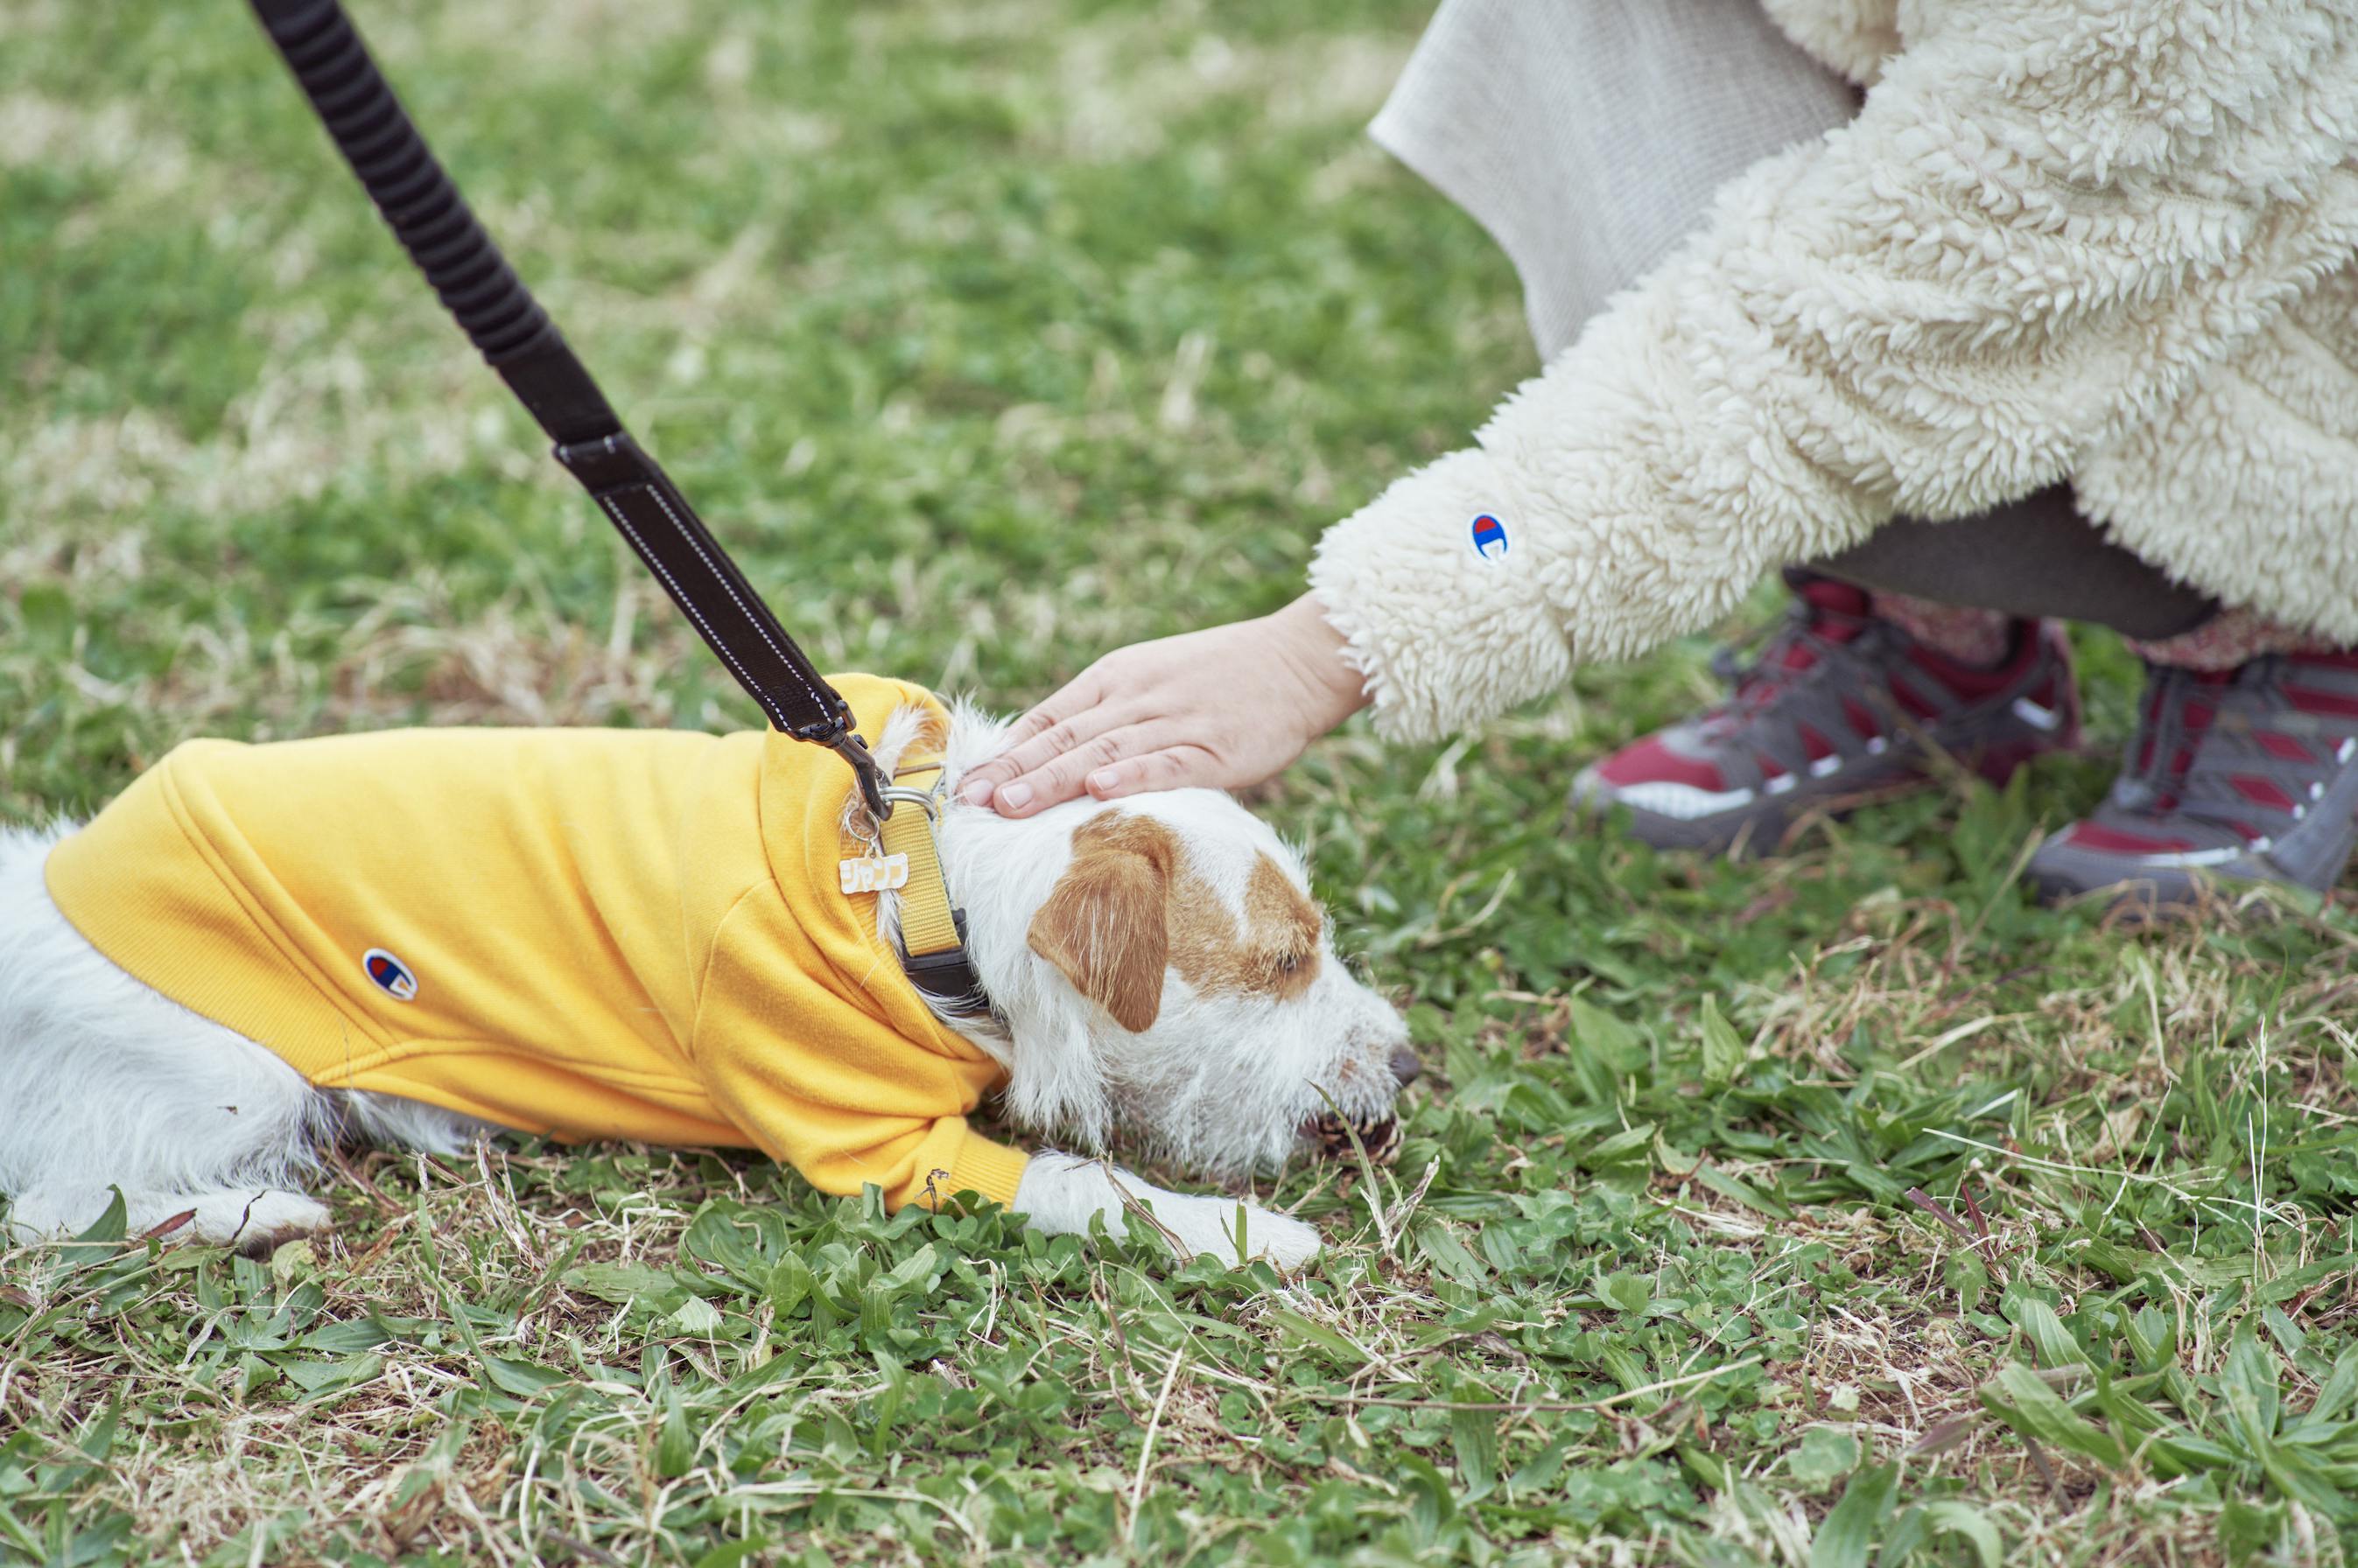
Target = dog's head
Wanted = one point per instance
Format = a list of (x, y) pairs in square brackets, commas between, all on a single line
[(1226, 1026), (1162, 968)]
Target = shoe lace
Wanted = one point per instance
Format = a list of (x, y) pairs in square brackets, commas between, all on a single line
[(2229, 747), (2188, 767), (1761, 666), (2153, 747)]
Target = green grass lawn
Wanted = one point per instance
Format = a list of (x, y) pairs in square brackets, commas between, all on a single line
[(1845, 1210)]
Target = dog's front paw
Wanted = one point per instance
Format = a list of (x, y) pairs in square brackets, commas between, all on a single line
[(257, 1223), (252, 1220), (1285, 1242), (1212, 1225), (1064, 1195)]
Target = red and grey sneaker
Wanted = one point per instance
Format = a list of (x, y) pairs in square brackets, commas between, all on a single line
[(1839, 708), (2245, 776)]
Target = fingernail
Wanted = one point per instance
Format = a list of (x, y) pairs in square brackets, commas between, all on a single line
[(1102, 779), (977, 793), (1016, 795)]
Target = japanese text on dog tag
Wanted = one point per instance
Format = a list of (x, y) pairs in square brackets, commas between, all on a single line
[(875, 873)]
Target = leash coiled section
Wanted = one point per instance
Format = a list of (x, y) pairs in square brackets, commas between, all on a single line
[(507, 326)]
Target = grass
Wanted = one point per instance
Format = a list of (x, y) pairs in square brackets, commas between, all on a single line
[(1844, 1209)]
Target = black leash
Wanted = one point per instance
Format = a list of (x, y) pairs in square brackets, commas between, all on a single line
[(516, 337)]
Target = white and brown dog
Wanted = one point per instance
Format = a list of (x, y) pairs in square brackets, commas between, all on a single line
[(1156, 971)]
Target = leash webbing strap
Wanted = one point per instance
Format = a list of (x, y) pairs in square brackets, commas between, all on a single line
[(516, 337), (933, 929)]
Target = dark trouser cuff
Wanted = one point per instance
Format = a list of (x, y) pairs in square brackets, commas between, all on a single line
[(2037, 557)]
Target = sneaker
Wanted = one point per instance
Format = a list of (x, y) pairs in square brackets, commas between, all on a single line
[(2245, 776), (1838, 708)]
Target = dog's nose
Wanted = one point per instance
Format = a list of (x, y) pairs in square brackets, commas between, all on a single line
[(1405, 1066)]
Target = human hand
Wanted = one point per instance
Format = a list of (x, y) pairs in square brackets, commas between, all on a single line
[(1225, 707)]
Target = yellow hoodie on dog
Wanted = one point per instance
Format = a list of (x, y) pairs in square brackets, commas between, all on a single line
[(593, 933)]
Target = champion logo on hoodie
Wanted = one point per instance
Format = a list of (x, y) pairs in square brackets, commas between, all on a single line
[(1489, 536), (391, 975)]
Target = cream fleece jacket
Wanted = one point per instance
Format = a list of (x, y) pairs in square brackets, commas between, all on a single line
[(2107, 240)]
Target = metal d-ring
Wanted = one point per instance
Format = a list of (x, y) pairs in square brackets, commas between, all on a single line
[(924, 799)]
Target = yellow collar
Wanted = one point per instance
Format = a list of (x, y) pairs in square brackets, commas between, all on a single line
[(933, 930)]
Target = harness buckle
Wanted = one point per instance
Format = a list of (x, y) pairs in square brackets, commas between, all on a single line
[(949, 976)]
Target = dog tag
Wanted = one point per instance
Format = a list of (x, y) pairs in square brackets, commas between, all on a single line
[(875, 873)]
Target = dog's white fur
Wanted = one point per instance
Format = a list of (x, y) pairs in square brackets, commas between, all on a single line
[(106, 1084)]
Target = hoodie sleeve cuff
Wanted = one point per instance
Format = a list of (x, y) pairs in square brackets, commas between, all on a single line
[(1436, 592), (982, 1166)]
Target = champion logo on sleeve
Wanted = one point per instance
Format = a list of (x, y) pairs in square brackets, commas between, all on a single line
[(1489, 537), (391, 975)]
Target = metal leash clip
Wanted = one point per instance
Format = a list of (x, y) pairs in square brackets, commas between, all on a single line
[(878, 795)]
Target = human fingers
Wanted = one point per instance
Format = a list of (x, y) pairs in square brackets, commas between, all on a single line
[(1048, 767), (1070, 715), (1173, 768), (1065, 775)]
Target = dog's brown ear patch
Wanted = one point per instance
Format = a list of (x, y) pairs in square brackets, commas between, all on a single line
[(1283, 928), (1273, 953), (1103, 925)]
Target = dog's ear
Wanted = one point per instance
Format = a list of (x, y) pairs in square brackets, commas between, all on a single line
[(1104, 924)]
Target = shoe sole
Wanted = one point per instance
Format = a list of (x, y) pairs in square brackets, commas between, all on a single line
[(2324, 842), (1759, 827)]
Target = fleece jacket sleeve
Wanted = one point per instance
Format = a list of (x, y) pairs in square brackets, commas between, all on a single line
[(2049, 221)]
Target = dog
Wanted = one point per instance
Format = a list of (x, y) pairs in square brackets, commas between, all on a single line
[(1155, 969)]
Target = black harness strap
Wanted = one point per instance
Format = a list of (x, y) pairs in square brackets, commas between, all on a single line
[(516, 337)]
